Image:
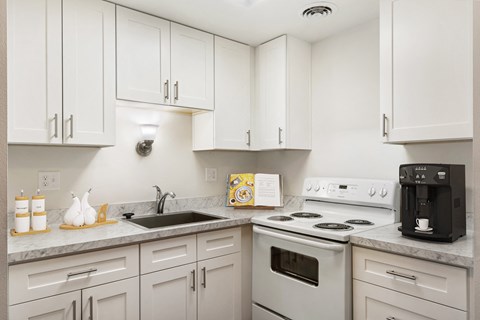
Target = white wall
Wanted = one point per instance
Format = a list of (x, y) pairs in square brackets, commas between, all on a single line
[(346, 125), (117, 174)]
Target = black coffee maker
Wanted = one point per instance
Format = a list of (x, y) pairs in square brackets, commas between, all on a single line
[(435, 192)]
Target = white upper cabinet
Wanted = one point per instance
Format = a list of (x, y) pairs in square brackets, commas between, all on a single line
[(191, 67), (143, 57), (89, 72), (426, 70), (228, 127), (34, 71), (283, 101)]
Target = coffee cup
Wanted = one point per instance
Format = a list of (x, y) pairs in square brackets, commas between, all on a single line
[(422, 224)]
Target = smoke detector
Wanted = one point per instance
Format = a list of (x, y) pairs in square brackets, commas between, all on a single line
[(318, 10)]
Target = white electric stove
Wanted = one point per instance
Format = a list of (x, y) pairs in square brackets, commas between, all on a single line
[(302, 260)]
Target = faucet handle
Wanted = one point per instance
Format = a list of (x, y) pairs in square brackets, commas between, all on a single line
[(158, 189)]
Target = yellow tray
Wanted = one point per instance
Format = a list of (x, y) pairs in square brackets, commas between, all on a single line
[(15, 233), (96, 224)]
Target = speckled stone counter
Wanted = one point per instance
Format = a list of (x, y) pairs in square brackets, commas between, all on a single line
[(61, 242), (389, 239)]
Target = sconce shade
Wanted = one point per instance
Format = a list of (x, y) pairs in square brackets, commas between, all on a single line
[(149, 131)]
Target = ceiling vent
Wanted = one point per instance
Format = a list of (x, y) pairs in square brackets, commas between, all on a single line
[(318, 10)]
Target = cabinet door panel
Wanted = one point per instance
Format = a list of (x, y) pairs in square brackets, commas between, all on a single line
[(170, 294), (219, 295), (89, 72), (191, 67), (34, 71), (232, 94), (271, 93), (62, 307), (117, 300), (143, 57), (427, 68)]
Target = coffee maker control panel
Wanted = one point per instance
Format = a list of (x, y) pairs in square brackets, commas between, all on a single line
[(432, 174)]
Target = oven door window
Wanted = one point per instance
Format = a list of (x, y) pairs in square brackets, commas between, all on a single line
[(294, 265)]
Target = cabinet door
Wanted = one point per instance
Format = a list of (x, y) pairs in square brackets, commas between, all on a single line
[(271, 73), (117, 300), (371, 303), (143, 57), (232, 95), (89, 72), (426, 69), (62, 307), (219, 295), (34, 71), (191, 67), (170, 294)]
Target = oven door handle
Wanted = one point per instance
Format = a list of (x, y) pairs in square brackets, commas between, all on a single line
[(311, 243)]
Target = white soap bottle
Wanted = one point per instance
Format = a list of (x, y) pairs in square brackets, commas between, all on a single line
[(39, 215), (22, 216)]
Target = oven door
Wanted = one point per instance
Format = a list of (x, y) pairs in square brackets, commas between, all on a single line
[(301, 277)]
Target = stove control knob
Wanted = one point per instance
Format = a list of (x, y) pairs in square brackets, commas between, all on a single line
[(309, 187), (372, 191), (317, 188), (383, 192)]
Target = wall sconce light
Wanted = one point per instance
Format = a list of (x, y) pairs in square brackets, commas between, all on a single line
[(149, 132)]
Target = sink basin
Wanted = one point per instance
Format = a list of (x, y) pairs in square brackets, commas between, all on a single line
[(172, 219)]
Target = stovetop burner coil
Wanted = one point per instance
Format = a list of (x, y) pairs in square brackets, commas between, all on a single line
[(334, 226), (360, 222), (308, 215), (279, 218)]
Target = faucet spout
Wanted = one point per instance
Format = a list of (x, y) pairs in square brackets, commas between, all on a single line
[(161, 203)]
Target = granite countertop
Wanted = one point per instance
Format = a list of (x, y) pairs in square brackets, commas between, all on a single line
[(388, 238), (61, 242)]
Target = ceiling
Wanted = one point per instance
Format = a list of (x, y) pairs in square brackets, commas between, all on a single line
[(256, 21)]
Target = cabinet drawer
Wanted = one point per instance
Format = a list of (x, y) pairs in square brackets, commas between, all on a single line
[(424, 279), (372, 302), (163, 254), (218, 243), (41, 279)]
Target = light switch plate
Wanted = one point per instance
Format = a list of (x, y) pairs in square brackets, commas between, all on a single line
[(210, 174), (49, 180)]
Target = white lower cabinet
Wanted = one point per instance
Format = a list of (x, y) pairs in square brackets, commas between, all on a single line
[(62, 307), (389, 286), (170, 294)]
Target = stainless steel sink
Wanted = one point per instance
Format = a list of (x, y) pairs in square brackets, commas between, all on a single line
[(172, 219)]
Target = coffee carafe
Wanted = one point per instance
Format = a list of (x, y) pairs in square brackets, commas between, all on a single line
[(433, 201)]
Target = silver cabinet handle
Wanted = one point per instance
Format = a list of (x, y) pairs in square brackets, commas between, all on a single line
[(72, 274), (193, 280), (56, 125), (91, 307), (71, 126), (401, 275), (165, 89), (204, 271), (280, 135), (176, 90), (384, 125), (248, 138), (74, 305), (390, 318)]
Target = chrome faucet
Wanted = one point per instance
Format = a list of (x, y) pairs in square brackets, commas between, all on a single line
[(161, 203)]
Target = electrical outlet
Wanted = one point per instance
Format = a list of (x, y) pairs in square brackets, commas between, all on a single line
[(49, 180), (210, 174)]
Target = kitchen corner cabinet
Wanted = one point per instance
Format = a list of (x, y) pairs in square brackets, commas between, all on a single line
[(61, 72), (207, 287), (161, 62), (389, 286), (228, 127), (283, 94), (426, 70)]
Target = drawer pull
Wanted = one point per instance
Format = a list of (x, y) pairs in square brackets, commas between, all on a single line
[(193, 280), (72, 274), (390, 318), (401, 275), (204, 283)]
